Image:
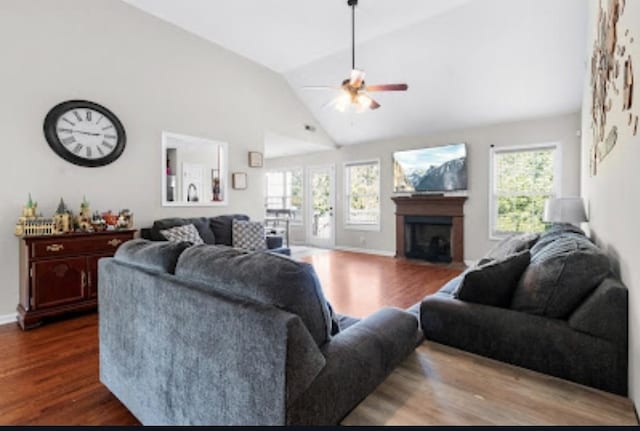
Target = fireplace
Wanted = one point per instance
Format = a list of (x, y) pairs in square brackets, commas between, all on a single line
[(430, 227), (428, 238)]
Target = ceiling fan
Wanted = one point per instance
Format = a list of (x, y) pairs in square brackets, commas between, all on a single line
[(353, 90)]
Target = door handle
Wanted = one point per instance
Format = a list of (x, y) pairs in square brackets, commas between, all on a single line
[(83, 279)]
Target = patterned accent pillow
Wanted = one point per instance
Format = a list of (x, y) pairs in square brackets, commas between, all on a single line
[(248, 235), (187, 232)]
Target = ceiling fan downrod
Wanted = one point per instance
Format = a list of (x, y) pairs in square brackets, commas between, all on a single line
[(353, 4)]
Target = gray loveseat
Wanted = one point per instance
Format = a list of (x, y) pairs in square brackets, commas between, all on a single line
[(209, 335), (565, 316), (213, 230)]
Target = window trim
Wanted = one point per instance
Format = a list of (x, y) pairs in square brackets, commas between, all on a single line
[(301, 220), (557, 178), (372, 227)]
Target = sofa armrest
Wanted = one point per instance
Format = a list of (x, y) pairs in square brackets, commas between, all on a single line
[(358, 359)]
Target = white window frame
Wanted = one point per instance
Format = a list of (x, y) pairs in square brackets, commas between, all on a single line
[(557, 178), (301, 211), (345, 171)]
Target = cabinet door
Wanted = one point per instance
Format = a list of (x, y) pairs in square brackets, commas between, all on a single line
[(92, 265), (60, 281)]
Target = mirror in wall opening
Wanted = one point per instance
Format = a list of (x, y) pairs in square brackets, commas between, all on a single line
[(194, 171), (430, 170)]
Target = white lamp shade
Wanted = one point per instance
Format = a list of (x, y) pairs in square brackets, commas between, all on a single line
[(564, 210)]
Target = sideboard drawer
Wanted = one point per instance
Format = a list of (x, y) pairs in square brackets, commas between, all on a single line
[(59, 246), (109, 243)]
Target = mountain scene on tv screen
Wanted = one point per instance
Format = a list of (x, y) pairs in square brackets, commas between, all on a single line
[(434, 169)]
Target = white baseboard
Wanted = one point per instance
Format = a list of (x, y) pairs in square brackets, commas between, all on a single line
[(8, 318), (367, 251)]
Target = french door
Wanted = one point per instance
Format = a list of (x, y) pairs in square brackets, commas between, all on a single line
[(320, 206)]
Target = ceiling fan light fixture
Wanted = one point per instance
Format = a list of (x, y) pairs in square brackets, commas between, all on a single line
[(343, 101), (363, 102)]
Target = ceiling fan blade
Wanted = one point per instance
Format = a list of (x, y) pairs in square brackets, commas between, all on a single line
[(388, 87), (374, 105), (320, 87), (357, 78)]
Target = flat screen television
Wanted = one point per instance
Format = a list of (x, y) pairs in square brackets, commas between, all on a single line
[(430, 170)]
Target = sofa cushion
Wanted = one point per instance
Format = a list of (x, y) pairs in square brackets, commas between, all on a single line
[(202, 224), (187, 233), (493, 283), (267, 278), (248, 235), (560, 276), (510, 245), (221, 227), (158, 256)]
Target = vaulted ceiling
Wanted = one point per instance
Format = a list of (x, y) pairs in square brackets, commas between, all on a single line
[(467, 62)]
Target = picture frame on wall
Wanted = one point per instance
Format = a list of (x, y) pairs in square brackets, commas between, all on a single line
[(239, 180), (256, 160)]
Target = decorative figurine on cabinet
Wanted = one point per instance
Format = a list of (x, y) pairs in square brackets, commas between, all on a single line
[(62, 218), (83, 221), (30, 223)]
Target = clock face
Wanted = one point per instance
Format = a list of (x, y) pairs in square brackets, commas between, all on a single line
[(84, 133)]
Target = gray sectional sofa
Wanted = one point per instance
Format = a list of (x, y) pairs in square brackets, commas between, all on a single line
[(209, 335), (564, 315)]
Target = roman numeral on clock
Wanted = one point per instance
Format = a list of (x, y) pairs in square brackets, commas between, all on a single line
[(64, 119), (108, 145), (68, 140), (77, 148), (88, 115), (110, 136), (100, 151), (88, 150), (77, 115)]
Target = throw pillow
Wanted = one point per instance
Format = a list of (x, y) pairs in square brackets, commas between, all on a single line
[(560, 276), (493, 283), (249, 235), (188, 233), (202, 224), (221, 227), (512, 244)]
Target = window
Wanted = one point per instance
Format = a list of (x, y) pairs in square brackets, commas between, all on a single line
[(522, 179), (284, 194), (362, 194)]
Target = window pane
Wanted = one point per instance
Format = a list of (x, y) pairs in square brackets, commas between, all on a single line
[(524, 171), (363, 194), (285, 192), (520, 213)]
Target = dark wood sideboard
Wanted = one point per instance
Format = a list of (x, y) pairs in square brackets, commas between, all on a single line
[(59, 274)]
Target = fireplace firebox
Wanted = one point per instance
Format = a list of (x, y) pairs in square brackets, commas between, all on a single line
[(430, 227), (428, 238)]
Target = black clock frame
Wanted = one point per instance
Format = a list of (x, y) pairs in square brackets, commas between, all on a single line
[(50, 124)]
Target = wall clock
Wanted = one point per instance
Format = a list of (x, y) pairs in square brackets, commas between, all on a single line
[(84, 133)]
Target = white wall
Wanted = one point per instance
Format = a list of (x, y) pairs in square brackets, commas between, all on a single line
[(154, 77), (613, 195), (562, 129)]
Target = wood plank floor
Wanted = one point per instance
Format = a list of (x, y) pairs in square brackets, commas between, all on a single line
[(358, 285), (49, 376), (439, 385)]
